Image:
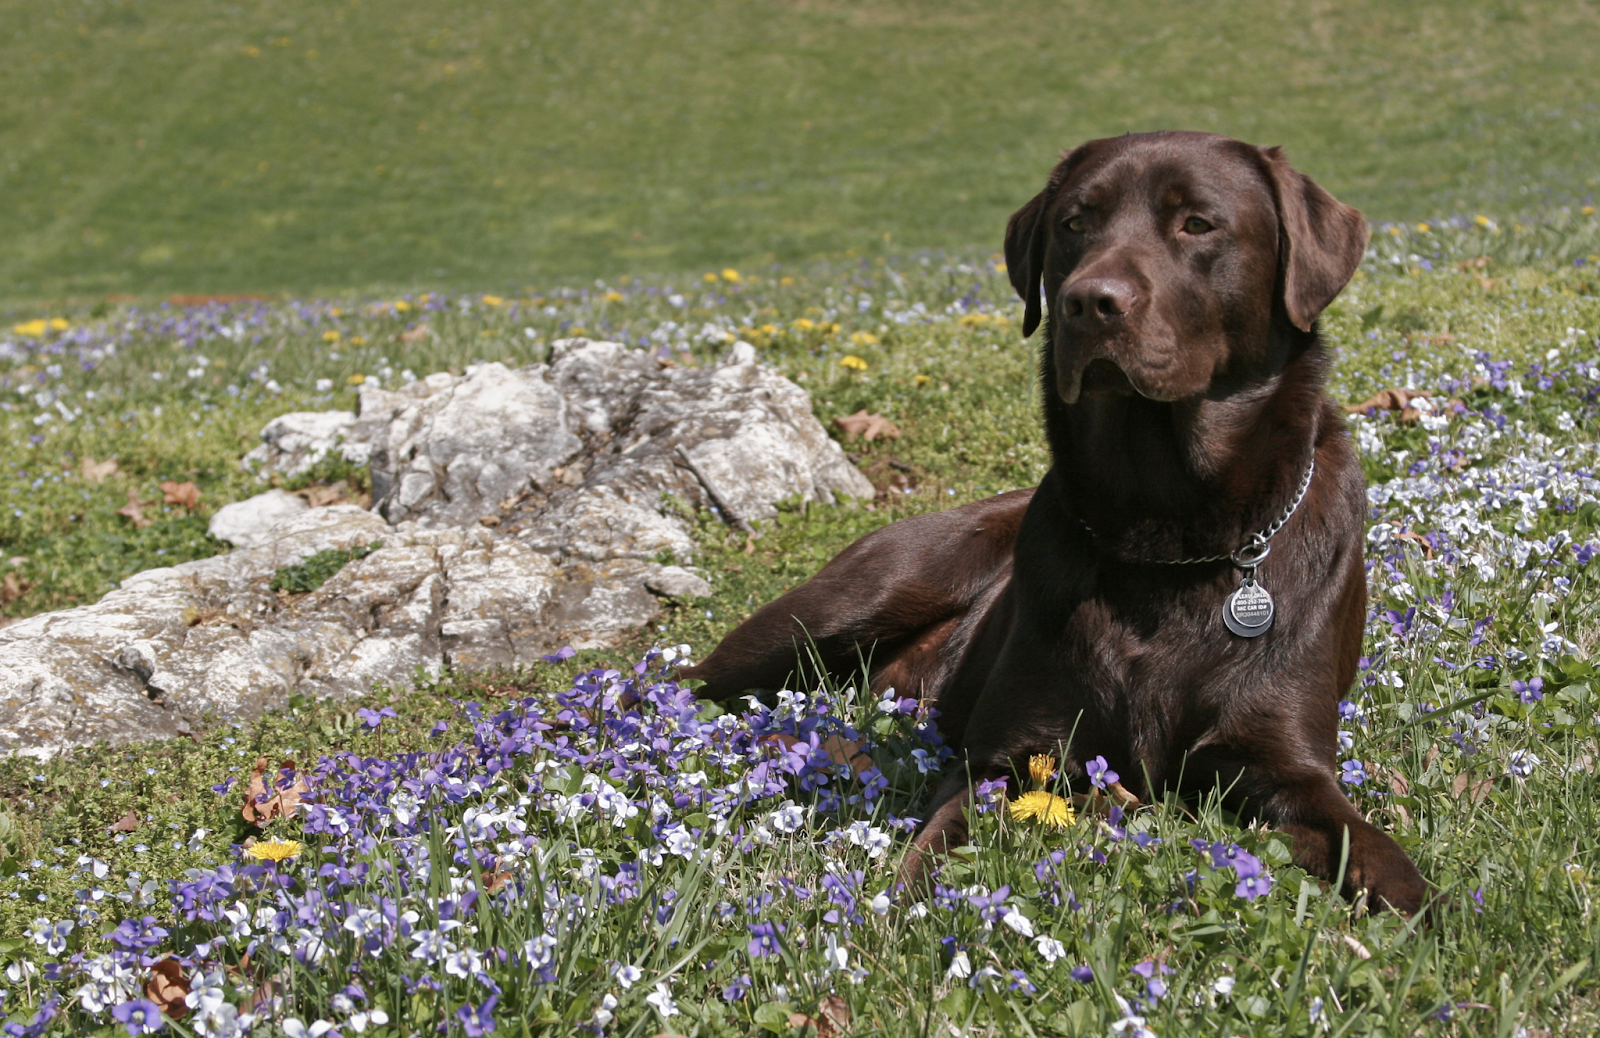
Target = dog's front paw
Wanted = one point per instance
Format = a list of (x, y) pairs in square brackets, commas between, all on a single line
[(1379, 867)]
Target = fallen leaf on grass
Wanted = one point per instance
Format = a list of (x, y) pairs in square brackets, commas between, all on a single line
[(1476, 792), (833, 1016), (319, 497), (867, 426), (1100, 803), (185, 494), (97, 471), (840, 750), (494, 882), (262, 804), (134, 510), (1398, 784), (1391, 400), (416, 334), (1397, 400), (263, 994), (168, 988), (13, 587), (1416, 538), (126, 824)]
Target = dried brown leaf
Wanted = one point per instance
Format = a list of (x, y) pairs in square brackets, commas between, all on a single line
[(1432, 755), (833, 1016), (13, 586), (262, 995), (494, 882), (97, 471), (1416, 538), (867, 426), (319, 497), (1096, 802), (416, 334), (185, 494), (1391, 400), (263, 801), (846, 752), (836, 1012), (134, 510), (168, 987), (1476, 792), (1398, 784), (839, 750), (126, 824)]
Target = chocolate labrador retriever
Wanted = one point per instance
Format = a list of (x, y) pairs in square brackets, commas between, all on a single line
[(1184, 592)]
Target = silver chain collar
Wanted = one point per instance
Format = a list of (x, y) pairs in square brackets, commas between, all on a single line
[(1255, 550)]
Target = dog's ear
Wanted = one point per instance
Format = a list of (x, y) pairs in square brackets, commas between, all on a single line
[(1322, 240), (1025, 248)]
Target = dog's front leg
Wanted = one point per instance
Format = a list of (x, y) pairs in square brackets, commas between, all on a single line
[(1314, 811), (944, 829)]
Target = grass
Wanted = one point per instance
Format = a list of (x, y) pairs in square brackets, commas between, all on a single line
[(305, 577), (182, 146), (1499, 317)]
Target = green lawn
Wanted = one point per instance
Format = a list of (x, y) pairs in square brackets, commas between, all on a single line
[(200, 146), (1494, 794)]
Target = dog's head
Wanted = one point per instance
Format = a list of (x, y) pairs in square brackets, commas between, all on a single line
[(1166, 258)]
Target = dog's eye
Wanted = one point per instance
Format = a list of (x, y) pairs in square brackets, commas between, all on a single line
[(1195, 225), (1076, 224)]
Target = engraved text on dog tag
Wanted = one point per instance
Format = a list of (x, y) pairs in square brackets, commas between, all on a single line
[(1248, 611)]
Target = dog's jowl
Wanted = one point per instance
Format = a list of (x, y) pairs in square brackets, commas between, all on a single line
[(1183, 593)]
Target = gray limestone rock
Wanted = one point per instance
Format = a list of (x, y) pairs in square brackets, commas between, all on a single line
[(677, 582), (248, 523), (516, 511), (291, 444)]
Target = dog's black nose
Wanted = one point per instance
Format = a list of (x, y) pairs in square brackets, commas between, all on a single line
[(1098, 299)]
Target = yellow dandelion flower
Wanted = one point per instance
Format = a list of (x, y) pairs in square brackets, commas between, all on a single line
[(402, 306), (1481, 220), (710, 278), (803, 324), (274, 850), (923, 380), (790, 281), (853, 362), (33, 329), (358, 340), (863, 338), (1045, 808), (1041, 768), (1587, 210), (60, 324), (1396, 231), (330, 336), (1424, 228), (999, 268), (731, 276), (356, 379), (612, 296), (497, 301)]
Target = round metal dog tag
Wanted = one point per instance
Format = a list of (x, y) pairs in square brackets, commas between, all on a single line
[(1248, 611)]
